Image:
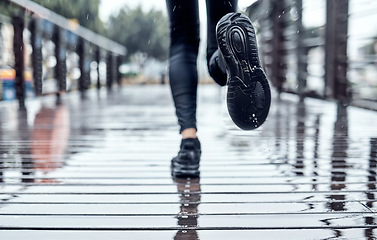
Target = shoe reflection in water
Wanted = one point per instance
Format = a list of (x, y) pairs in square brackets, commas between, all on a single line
[(189, 190)]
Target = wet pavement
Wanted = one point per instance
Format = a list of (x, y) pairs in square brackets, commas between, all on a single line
[(99, 169)]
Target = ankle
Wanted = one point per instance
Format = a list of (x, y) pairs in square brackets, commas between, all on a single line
[(188, 133)]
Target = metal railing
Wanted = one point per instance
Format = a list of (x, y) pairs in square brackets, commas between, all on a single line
[(319, 48), (54, 54)]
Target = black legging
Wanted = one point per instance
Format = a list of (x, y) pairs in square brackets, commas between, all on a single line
[(184, 45)]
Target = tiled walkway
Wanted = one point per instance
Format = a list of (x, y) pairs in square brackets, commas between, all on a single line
[(99, 169)]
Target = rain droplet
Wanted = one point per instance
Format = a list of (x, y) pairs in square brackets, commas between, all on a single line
[(87, 16), (174, 8), (149, 42)]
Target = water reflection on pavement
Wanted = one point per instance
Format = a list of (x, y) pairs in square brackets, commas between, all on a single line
[(38, 141), (51, 132), (103, 165)]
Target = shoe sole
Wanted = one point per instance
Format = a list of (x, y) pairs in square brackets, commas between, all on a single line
[(248, 95)]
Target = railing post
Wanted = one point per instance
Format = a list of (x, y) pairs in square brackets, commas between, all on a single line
[(61, 58), (301, 52), (19, 63), (98, 59), (36, 43), (110, 70), (2, 50), (278, 58), (118, 73), (336, 50), (264, 16), (84, 65)]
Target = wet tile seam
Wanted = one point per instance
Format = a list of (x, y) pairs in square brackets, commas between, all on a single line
[(170, 184), (184, 228), (199, 193), (154, 202), (344, 214)]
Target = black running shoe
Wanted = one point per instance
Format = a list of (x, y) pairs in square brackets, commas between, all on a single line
[(248, 96), (186, 164)]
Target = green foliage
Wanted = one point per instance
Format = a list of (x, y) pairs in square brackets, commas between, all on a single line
[(85, 11), (141, 32), (8, 9)]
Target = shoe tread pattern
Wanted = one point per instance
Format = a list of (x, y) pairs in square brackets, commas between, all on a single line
[(248, 96)]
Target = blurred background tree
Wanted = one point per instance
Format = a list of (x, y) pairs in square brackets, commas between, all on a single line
[(86, 12), (7, 9), (145, 34), (141, 32)]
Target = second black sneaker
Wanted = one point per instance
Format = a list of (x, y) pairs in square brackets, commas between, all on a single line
[(186, 163), (248, 96)]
